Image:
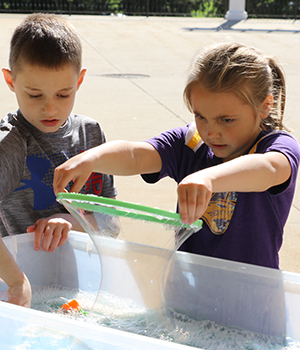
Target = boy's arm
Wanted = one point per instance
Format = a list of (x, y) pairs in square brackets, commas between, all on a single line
[(114, 158), (19, 291), (249, 173)]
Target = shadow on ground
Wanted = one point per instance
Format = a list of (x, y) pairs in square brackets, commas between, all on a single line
[(228, 25)]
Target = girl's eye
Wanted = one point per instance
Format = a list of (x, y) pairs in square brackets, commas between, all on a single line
[(227, 120), (63, 96), (198, 116)]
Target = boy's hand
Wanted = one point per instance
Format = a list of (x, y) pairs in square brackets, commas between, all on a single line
[(194, 193), (50, 233), (20, 293)]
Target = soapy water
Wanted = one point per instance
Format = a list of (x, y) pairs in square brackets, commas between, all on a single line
[(201, 334), (116, 233)]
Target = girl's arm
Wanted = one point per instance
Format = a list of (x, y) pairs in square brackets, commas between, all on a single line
[(249, 173), (114, 158), (19, 291)]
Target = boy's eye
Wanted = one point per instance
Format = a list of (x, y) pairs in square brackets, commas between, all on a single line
[(63, 96), (34, 96)]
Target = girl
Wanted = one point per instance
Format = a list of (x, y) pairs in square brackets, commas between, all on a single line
[(19, 289), (235, 165)]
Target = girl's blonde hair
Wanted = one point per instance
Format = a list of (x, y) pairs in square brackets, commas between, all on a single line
[(251, 75)]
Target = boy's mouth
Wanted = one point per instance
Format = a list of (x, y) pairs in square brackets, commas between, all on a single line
[(50, 122)]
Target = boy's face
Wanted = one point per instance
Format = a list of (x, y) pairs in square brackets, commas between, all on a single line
[(45, 96), (225, 122)]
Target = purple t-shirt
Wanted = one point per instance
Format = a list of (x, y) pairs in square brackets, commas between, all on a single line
[(239, 226)]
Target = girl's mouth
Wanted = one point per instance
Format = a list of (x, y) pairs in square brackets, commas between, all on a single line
[(218, 147)]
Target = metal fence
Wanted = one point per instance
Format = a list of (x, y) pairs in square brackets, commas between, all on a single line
[(273, 9), (254, 8)]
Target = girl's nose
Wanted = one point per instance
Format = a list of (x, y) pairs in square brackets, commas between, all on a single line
[(212, 130)]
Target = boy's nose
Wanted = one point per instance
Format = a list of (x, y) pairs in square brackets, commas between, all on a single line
[(49, 108)]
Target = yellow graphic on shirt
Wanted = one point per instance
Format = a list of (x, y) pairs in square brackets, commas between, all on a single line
[(219, 211), (193, 142), (221, 206), (192, 138)]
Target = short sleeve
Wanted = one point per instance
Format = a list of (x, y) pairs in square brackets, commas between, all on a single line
[(169, 145), (12, 159), (285, 143)]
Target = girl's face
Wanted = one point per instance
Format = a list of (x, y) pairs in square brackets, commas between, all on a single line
[(225, 122)]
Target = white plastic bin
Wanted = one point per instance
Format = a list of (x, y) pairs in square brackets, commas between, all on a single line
[(257, 299)]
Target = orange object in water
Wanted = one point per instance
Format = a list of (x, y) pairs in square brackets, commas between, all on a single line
[(71, 305)]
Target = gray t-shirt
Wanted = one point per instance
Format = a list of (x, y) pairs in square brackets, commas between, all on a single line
[(28, 158)]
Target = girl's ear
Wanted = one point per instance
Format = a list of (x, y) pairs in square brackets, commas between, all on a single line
[(81, 77), (8, 78), (267, 106)]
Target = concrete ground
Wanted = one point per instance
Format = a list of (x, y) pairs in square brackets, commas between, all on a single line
[(137, 68)]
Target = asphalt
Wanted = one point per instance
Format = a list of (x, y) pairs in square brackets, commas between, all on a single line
[(137, 67)]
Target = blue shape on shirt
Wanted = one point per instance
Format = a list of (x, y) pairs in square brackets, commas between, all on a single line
[(44, 196)]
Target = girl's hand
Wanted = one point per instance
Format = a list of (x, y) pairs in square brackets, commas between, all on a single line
[(50, 233), (20, 293), (77, 169), (114, 158), (194, 193)]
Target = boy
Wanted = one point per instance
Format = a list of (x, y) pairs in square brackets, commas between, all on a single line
[(45, 73)]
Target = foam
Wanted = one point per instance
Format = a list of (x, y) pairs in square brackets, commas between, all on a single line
[(202, 334)]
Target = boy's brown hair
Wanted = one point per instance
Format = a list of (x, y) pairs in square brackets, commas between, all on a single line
[(46, 40)]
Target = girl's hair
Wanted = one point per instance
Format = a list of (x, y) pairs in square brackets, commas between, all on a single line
[(45, 40), (251, 75)]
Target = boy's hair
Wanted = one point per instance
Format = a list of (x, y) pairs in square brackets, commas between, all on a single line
[(251, 75), (45, 40)]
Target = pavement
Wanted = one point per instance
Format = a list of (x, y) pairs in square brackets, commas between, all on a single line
[(137, 68)]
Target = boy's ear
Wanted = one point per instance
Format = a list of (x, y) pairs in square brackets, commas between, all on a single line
[(267, 106), (81, 77), (8, 78)]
